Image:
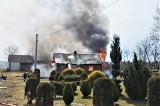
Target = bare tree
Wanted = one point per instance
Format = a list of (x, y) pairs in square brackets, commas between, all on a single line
[(11, 50), (155, 38), (144, 50), (126, 54)]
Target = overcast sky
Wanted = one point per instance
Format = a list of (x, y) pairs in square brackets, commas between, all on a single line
[(131, 19)]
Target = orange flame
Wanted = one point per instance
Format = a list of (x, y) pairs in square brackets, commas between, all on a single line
[(102, 55), (90, 68)]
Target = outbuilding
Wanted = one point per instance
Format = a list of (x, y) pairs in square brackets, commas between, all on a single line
[(20, 62)]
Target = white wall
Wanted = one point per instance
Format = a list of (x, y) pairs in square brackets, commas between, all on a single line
[(15, 66)]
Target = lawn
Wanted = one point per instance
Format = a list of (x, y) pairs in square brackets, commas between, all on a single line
[(14, 94)]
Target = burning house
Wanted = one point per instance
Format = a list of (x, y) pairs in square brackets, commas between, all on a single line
[(20, 62), (88, 62)]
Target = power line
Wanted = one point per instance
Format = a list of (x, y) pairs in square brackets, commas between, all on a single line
[(83, 19)]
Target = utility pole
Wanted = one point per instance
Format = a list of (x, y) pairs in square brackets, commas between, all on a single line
[(36, 52)]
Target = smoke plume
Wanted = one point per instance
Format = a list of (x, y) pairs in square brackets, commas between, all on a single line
[(51, 16)]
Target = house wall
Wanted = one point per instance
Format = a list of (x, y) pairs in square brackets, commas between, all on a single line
[(61, 67), (25, 66), (14, 66), (95, 67)]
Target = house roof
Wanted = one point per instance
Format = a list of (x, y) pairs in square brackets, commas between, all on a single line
[(77, 58), (21, 58)]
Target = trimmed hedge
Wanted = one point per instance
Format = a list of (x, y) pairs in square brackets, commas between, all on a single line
[(154, 91), (51, 78), (103, 89), (56, 76), (31, 85), (94, 75), (86, 88), (45, 94), (68, 94), (83, 75), (60, 78), (53, 72), (116, 93), (59, 87), (68, 71), (71, 78), (79, 71), (74, 85)]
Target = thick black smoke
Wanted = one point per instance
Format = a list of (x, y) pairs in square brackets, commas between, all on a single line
[(90, 32)]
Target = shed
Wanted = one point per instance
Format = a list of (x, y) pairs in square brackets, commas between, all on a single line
[(88, 62), (20, 62)]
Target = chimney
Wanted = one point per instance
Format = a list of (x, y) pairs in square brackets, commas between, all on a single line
[(75, 52)]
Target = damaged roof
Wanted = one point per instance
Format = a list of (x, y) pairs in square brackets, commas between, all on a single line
[(77, 58), (21, 58)]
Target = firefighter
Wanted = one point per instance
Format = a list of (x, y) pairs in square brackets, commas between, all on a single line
[(4, 77), (25, 76)]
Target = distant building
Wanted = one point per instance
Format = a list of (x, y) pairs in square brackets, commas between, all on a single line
[(88, 62), (20, 62)]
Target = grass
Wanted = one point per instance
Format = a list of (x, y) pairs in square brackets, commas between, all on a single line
[(14, 94)]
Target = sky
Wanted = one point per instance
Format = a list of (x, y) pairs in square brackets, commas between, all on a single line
[(130, 19)]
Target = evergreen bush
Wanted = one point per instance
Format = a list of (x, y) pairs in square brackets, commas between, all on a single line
[(45, 92), (74, 86), (51, 78), (30, 88), (68, 94), (53, 72), (103, 89), (116, 93), (59, 87), (68, 71), (79, 71), (117, 82), (153, 91), (83, 75), (86, 87), (71, 78), (94, 75), (135, 79), (56, 76), (60, 78)]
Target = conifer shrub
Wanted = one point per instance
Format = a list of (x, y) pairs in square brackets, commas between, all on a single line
[(74, 86), (68, 94), (86, 88), (71, 78), (153, 91), (53, 72), (56, 76), (94, 75), (68, 71), (60, 78), (115, 92), (51, 78), (79, 71), (83, 75), (30, 88), (45, 94), (103, 89), (59, 87), (117, 82), (135, 79), (37, 73)]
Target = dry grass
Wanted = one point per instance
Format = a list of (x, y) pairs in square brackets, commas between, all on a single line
[(15, 94)]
